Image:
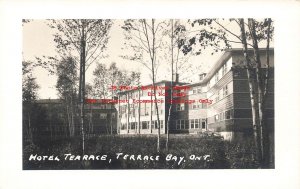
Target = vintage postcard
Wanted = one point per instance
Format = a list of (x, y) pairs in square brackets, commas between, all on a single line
[(148, 93), (166, 94)]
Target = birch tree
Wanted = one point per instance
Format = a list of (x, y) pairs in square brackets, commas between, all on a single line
[(145, 38), (216, 35), (29, 96), (66, 86), (84, 40)]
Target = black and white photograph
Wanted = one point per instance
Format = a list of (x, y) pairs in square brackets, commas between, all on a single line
[(148, 93)]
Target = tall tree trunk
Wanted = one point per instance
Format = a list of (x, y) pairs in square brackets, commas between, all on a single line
[(72, 117), (111, 110), (82, 82), (139, 112), (30, 135), (171, 95), (253, 94), (259, 80), (68, 116), (153, 81), (262, 91), (266, 142)]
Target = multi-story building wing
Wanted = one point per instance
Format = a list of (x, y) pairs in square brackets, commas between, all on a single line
[(56, 118), (228, 87), (138, 114), (219, 102)]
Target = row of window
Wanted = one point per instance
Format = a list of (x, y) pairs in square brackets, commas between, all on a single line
[(101, 106), (199, 105), (222, 93), (191, 124), (141, 93), (197, 90), (217, 76), (104, 115), (194, 106), (144, 109), (223, 71), (228, 114), (101, 115), (179, 107), (145, 125)]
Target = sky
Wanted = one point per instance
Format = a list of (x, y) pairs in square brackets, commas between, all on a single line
[(38, 41)]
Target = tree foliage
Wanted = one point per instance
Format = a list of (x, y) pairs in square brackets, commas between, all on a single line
[(105, 78), (29, 84), (67, 78)]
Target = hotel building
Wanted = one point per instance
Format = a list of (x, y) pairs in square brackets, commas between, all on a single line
[(219, 102)]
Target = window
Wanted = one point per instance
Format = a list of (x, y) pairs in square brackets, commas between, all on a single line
[(186, 126), (195, 105), (192, 123), (199, 90), (103, 115), (222, 116), (218, 96), (228, 114), (203, 123), (147, 110), (224, 69), (145, 125), (161, 124), (143, 108), (123, 126), (152, 124), (181, 124), (180, 107), (201, 76), (217, 118), (177, 124), (225, 91), (102, 106), (133, 125), (123, 109), (196, 123), (194, 91), (108, 106), (217, 77)]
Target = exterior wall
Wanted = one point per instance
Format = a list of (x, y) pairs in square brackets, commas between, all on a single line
[(219, 114), (136, 118), (242, 105), (99, 118), (198, 110), (229, 114)]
